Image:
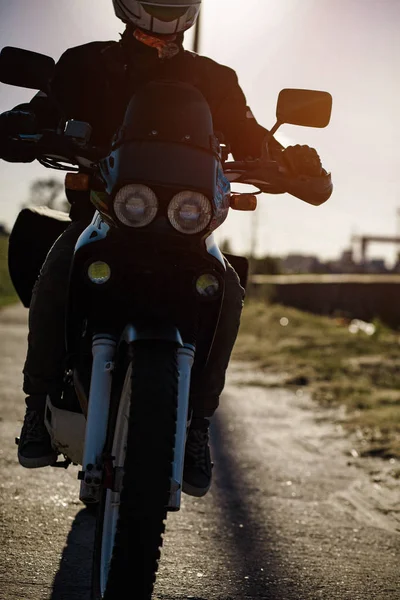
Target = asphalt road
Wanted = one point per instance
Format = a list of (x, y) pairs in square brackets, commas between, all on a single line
[(291, 514)]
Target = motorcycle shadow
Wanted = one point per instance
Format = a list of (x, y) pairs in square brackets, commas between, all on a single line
[(248, 543), (72, 581), (73, 578), (250, 547)]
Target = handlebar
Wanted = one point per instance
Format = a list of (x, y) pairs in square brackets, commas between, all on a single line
[(259, 173), (271, 178), (51, 148), (53, 145)]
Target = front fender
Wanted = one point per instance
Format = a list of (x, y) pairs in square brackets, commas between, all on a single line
[(151, 331)]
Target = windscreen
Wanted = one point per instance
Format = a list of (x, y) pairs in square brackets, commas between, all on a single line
[(169, 111)]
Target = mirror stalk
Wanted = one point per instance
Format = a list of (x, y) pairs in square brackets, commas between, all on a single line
[(268, 138)]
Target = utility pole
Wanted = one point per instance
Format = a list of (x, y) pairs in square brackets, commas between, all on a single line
[(254, 234), (255, 216), (196, 39)]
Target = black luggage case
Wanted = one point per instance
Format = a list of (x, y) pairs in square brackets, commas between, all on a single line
[(33, 234)]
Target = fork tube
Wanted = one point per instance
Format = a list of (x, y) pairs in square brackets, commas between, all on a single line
[(185, 363), (103, 350)]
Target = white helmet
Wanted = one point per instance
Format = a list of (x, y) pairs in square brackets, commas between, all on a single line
[(158, 16)]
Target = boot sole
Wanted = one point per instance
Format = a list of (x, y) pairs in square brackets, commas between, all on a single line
[(190, 490), (36, 463)]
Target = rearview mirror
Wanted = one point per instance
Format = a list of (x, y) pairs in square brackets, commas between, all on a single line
[(27, 69), (308, 108)]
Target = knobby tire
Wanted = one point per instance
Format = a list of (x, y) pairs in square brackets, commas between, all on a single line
[(147, 474)]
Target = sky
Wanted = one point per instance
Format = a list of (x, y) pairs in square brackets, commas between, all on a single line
[(350, 48)]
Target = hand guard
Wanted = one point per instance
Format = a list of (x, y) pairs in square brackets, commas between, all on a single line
[(13, 122), (302, 160)]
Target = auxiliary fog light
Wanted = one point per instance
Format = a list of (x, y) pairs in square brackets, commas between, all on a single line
[(189, 212), (99, 272), (207, 285)]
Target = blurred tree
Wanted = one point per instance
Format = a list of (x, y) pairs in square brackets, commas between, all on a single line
[(266, 265), (3, 230), (226, 246), (48, 192)]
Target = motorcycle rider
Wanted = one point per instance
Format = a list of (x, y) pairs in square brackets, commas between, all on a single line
[(94, 83)]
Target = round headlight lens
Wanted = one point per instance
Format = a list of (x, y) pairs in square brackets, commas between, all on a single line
[(135, 205), (189, 212)]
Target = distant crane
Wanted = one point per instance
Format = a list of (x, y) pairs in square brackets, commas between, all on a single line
[(365, 240)]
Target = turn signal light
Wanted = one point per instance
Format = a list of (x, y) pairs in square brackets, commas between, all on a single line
[(78, 182), (243, 202)]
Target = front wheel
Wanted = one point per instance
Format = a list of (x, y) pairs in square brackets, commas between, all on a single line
[(131, 520)]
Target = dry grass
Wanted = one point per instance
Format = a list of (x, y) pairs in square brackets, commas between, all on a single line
[(7, 292), (356, 371)]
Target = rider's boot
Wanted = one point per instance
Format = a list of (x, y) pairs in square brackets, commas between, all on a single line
[(197, 469), (34, 446)]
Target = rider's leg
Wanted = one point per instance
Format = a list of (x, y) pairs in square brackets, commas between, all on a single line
[(44, 366), (207, 386)]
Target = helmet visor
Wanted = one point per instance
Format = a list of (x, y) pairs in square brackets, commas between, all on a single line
[(165, 13)]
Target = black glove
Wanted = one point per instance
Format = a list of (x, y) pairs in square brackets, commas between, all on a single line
[(302, 160), (13, 122)]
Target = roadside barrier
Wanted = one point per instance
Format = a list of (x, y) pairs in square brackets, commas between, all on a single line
[(360, 296)]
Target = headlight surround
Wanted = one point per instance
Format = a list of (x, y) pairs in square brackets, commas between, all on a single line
[(189, 212), (135, 205)]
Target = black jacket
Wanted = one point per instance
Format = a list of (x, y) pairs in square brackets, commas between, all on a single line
[(95, 82)]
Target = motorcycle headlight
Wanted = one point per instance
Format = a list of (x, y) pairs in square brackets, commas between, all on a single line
[(135, 205), (189, 212)]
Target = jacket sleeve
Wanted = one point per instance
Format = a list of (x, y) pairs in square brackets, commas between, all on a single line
[(74, 86), (236, 121)]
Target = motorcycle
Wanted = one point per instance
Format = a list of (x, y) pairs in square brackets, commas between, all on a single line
[(144, 296)]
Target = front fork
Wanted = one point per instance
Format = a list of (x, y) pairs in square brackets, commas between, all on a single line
[(103, 351), (185, 363), (92, 477)]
